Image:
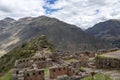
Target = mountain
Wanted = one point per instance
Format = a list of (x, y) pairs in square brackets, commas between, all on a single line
[(6, 22), (25, 50), (108, 31), (64, 36)]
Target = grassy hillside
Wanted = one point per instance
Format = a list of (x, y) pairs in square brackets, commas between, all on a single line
[(25, 50), (98, 77), (7, 76)]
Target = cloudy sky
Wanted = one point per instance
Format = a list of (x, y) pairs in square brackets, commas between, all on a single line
[(83, 13)]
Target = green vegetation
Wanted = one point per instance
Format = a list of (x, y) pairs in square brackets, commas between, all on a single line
[(100, 56), (103, 57), (46, 72), (7, 76), (25, 50), (98, 77), (82, 69), (71, 60)]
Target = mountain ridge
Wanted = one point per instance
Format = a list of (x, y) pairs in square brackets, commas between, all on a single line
[(108, 31), (63, 35)]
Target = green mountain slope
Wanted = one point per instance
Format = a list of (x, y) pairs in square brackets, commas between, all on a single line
[(25, 50)]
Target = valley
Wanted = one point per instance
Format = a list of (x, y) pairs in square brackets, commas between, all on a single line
[(59, 40), (62, 35), (70, 51)]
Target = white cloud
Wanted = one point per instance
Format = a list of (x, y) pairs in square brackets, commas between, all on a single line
[(83, 13), (86, 13), (21, 8)]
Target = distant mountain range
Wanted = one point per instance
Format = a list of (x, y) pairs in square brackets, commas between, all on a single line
[(108, 31), (62, 35)]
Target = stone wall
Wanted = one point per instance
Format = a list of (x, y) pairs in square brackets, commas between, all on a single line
[(79, 64), (15, 74), (58, 71), (34, 75), (44, 64), (33, 68), (38, 74), (108, 63), (40, 62), (29, 60), (71, 71), (85, 54)]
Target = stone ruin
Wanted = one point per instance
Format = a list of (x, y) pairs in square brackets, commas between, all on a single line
[(62, 70), (34, 68), (33, 74), (109, 60), (28, 62), (108, 63)]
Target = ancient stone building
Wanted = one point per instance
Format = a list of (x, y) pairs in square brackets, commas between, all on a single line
[(28, 74), (33, 65), (57, 71), (110, 60), (79, 64), (58, 64), (34, 75), (28, 62), (62, 70)]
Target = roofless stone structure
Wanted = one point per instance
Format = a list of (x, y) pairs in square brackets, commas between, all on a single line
[(44, 66), (110, 60)]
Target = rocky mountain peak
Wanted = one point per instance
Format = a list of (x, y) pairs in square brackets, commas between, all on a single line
[(8, 19), (6, 22), (25, 19)]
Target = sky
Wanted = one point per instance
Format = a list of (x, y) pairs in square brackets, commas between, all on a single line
[(83, 13)]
